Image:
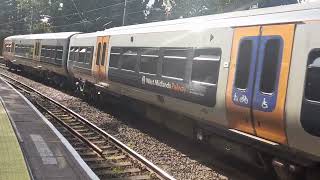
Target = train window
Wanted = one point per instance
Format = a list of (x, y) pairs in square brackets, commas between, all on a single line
[(115, 57), (43, 52), (71, 54), (104, 49), (53, 53), (82, 55), (89, 55), (76, 54), (270, 66), (17, 49), (243, 64), (174, 63), (8, 48), (48, 52), (129, 59), (59, 53), (205, 65), (312, 86), (98, 54), (149, 59)]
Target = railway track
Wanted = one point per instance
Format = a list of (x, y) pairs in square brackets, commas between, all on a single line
[(106, 156)]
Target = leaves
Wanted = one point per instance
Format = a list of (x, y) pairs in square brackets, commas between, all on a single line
[(35, 16)]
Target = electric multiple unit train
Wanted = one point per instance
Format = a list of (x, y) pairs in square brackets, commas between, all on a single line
[(251, 76)]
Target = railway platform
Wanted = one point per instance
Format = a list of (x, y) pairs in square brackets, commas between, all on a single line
[(30, 146)]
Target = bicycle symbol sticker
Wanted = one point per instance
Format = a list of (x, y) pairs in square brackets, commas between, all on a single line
[(244, 99)]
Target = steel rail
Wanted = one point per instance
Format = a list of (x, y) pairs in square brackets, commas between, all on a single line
[(74, 132)]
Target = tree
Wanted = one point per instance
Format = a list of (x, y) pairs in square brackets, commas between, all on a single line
[(190, 8), (37, 16), (30, 14)]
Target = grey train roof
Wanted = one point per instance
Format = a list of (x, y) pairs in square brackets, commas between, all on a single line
[(273, 15), (61, 35)]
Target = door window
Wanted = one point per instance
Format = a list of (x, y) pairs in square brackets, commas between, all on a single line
[(243, 64), (98, 54), (104, 53), (270, 66)]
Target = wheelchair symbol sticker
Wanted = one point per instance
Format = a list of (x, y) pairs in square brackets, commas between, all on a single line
[(264, 104)]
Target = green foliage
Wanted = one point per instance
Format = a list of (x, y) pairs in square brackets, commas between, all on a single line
[(38, 16)]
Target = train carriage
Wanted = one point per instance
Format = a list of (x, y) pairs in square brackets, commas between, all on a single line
[(242, 71), (44, 52)]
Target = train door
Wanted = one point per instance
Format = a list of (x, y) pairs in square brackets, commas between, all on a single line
[(36, 51), (99, 66), (258, 79)]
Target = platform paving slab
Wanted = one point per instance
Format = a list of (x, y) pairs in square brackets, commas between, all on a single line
[(12, 162)]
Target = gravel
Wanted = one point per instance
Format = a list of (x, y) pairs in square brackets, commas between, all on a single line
[(164, 148)]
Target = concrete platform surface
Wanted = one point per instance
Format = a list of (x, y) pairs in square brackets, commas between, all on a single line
[(48, 154), (12, 163)]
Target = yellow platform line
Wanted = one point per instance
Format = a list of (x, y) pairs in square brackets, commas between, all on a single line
[(12, 163)]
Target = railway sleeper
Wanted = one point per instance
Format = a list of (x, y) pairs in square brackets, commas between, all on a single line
[(100, 159), (78, 142), (77, 127), (97, 142), (88, 134), (69, 119), (117, 171), (74, 123), (83, 131), (84, 148), (110, 165), (64, 116), (92, 138), (139, 177), (89, 154), (110, 152)]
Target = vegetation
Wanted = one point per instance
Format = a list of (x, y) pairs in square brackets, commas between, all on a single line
[(37, 16)]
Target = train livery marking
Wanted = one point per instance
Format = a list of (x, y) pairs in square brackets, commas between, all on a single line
[(199, 91)]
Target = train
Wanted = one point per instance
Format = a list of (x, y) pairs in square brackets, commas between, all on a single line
[(251, 77)]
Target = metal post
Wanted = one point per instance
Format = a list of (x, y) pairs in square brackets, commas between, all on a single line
[(124, 13), (31, 17)]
